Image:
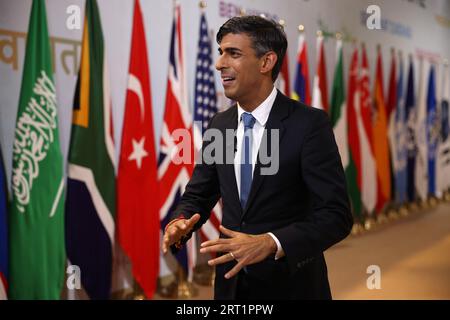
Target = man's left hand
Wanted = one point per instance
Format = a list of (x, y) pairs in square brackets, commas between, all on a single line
[(246, 249)]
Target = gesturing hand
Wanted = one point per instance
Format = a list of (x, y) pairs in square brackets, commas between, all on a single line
[(178, 229), (246, 249)]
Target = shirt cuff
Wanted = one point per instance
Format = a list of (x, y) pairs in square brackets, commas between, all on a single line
[(280, 252)]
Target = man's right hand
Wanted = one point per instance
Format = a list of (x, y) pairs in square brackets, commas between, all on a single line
[(178, 229)]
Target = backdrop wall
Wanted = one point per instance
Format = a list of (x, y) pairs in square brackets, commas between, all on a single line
[(412, 26)]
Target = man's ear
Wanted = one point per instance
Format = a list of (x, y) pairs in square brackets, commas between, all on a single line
[(268, 62)]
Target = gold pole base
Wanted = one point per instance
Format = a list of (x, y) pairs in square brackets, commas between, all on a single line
[(413, 207), (404, 212), (433, 202), (357, 229), (447, 196), (382, 219), (186, 290), (178, 289), (204, 275), (168, 291), (369, 224), (424, 204), (393, 215)]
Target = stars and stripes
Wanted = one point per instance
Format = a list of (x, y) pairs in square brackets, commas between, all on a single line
[(205, 107)]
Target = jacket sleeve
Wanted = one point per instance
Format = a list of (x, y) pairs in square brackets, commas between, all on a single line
[(200, 196), (331, 219)]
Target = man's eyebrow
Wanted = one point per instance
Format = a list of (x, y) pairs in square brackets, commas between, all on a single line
[(229, 50)]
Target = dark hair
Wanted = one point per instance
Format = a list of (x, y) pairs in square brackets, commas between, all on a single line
[(267, 35)]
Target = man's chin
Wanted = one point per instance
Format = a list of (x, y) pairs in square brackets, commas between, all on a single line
[(230, 95)]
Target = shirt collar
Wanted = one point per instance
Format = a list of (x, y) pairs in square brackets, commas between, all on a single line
[(261, 113)]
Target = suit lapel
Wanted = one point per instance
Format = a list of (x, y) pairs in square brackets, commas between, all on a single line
[(278, 113), (230, 176)]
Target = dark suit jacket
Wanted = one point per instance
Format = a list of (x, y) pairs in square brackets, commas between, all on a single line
[(305, 205)]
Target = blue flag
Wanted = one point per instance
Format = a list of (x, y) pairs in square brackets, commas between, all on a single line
[(432, 132), (400, 137), (3, 232), (205, 102), (410, 115)]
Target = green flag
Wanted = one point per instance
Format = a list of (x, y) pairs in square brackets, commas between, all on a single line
[(339, 117), (338, 107), (90, 200), (37, 254)]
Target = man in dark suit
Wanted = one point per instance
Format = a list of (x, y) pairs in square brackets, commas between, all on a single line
[(275, 226)]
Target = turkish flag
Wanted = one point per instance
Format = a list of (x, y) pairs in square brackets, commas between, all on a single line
[(137, 199)]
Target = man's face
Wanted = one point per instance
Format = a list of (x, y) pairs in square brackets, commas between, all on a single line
[(239, 67)]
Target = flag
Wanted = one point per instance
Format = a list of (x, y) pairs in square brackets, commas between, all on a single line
[(399, 138), (368, 166), (205, 107), (174, 172), (320, 90), (338, 111), (380, 139), (282, 82), (36, 221), (301, 90), (432, 132), (411, 145), (90, 201), (443, 162), (3, 232), (391, 104), (137, 213), (421, 174), (353, 171)]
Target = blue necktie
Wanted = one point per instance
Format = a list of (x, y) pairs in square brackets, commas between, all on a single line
[(246, 157)]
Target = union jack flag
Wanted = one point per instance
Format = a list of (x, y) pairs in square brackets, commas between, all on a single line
[(173, 175)]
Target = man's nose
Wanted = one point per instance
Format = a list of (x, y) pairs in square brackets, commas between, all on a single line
[(220, 63)]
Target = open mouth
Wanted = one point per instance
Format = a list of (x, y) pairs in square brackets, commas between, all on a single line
[(227, 81)]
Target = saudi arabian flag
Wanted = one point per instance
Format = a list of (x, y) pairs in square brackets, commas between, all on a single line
[(36, 223)]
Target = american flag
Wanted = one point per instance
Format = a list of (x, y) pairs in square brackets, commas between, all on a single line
[(173, 176), (205, 107)]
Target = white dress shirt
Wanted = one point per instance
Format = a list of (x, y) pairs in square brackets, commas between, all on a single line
[(261, 114)]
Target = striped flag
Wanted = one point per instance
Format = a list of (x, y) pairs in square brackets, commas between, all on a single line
[(205, 107), (90, 202), (421, 170), (443, 161), (411, 145), (174, 172), (320, 90), (368, 170), (338, 111), (353, 171), (36, 221), (137, 213), (283, 81), (399, 150), (380, 139), (432, 132), (391, 105), (3, 232), (301, 91)]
